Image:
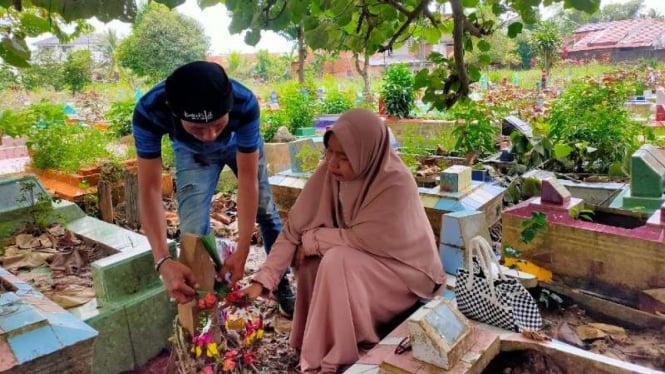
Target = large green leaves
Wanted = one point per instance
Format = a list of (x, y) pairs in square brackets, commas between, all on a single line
[(104, 10), (14, 51)]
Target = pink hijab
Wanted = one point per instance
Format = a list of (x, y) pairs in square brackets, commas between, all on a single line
[(380, 211)]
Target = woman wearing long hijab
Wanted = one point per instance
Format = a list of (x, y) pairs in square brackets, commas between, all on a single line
[(360, 242)]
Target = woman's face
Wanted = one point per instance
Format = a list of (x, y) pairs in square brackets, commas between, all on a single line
[(338, 164)]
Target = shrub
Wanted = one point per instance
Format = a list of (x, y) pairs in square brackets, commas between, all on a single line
[(398, 91), (298, 104), (120, 114), (66, 147), (336, 102), (271, 122), (590, 126), (475, 133)]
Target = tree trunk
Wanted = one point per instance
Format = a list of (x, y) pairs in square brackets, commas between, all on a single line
[(302, 54), (364, 73)]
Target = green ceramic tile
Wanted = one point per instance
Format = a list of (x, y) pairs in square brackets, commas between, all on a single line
[(150, 317), (112, 351), (127, 277)]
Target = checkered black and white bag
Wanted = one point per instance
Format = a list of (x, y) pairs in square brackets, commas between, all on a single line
[(493, 298)]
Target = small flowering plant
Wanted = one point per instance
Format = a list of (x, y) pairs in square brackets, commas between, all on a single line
[(227, 332)]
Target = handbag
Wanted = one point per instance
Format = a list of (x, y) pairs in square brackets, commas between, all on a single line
[(493, 298)]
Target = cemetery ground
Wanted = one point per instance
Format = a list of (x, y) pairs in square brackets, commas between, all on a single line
[(472, 137), (564, 320)]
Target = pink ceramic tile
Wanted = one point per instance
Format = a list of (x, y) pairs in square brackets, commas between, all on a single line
[(43, 304), (405, 361), (400, 331), (377, 354), (461, 368), (7, 359), (483, 339)]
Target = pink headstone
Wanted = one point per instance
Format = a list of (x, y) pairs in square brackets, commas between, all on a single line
[(660, 112), (552, 192)]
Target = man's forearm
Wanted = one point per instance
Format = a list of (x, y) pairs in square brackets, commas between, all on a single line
[(151, 209), (248, 202), (153, 221)]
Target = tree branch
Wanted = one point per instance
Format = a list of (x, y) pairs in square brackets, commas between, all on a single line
[(281, 11), (411, 15), (472, 29)]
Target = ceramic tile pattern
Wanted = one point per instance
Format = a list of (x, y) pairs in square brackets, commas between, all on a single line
[(383, 356), (134, 316)]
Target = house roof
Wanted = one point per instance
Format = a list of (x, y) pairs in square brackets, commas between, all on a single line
[(89, 39), (632, 33)]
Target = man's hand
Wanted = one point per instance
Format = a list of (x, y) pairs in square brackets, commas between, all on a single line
[(234, 265), (253, 291), (178, 280)]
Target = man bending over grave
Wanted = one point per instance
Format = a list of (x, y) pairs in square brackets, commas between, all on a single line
[(212, 121), (360, 243)]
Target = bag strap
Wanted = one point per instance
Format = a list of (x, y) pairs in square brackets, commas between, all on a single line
[(479, 247)]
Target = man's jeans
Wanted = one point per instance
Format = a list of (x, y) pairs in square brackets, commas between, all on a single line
[(196, 180)]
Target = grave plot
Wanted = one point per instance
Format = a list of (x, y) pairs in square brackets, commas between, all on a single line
[(122, 301)]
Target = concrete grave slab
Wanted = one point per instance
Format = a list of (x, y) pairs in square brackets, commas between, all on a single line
[(440, 335), (457, 228), (552, 192), (455, 179)]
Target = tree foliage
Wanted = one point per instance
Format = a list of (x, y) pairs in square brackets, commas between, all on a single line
[(547, 42), (381, 25), (46, 71), (78, 70), (161, 41), (370, 26)]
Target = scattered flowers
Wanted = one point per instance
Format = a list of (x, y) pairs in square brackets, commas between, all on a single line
[(228, 330)]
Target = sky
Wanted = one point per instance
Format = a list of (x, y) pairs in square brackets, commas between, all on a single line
[(215, 21)]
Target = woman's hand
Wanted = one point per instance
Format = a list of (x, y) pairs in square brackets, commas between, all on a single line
[(310, 245), (253, 291)]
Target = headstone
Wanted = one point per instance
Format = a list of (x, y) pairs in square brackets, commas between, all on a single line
[(660, 96), (273, 97), (660, 112), (516, 80), (647, 174), (440, 335), (457, 228), (283, 135), (295, 149), (360, 98), (68, 110), (13, 198), (483, 82), (552, 192), (194, 255), (456, 179), (512, 123)]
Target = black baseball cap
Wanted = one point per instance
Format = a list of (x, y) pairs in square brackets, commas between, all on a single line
[(199, 91)]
